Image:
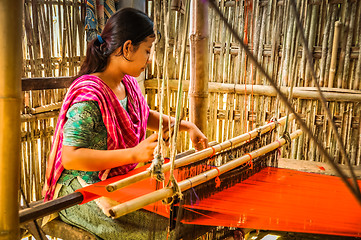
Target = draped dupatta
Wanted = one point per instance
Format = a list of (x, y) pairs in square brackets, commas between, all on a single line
[(124, 129)]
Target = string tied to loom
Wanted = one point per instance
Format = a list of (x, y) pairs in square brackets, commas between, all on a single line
[(217, 180), (156, 168), (211, 158), (278, 150), (250, 137), (230, 155), (274, 120), (250, 162), (195, 194), (286, 135)]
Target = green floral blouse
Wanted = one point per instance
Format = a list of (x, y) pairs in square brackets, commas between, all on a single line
[(85, 128)]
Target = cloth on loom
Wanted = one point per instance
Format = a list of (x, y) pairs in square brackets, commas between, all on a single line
[(272, 199), (284, 200), (124, 129), (97, 14)]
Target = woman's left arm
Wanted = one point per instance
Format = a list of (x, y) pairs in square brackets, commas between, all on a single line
[(198, 139)]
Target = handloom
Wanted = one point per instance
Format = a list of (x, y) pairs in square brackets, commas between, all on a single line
[(64, 202), (235, 185)]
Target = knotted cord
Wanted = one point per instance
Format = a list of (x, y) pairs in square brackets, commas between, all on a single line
[(158, 161), (172, 180)]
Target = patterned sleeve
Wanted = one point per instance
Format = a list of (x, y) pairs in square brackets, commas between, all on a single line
[(80, 127)]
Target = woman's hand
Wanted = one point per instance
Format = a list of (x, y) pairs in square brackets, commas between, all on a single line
[(198, 139), (143, 152)]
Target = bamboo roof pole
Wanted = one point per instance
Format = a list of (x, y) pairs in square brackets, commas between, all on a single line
[(137, 203), (201, 154), (198, 88), (10, 101)]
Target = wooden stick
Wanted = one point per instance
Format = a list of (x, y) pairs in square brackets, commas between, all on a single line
[(46, 108), (199, 155), (50, 207), (137, 203)]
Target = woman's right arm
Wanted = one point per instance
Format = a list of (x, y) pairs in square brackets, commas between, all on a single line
[(85, 142), (85, 159)]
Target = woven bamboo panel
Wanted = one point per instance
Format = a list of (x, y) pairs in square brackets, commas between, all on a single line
[(53, 45), (270, 31)]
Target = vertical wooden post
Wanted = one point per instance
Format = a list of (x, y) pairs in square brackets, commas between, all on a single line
[(198, 88), (10, 95), (336, 37)]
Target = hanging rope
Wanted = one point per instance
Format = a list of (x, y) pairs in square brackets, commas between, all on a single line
[(248, 5), (158, 161), (172, 180)]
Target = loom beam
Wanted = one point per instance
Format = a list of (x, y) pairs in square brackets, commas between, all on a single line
[(140, 202), (201, 154)]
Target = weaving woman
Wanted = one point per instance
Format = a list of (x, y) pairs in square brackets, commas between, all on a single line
[(102, 124)]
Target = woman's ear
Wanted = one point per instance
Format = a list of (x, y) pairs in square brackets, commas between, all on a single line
[(127, 48)]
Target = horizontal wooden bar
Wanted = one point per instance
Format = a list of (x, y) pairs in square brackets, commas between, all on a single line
[(45, 83), (331, 94), (40, 116), (50, 207)]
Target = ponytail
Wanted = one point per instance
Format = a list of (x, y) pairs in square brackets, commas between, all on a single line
[(96, 58)]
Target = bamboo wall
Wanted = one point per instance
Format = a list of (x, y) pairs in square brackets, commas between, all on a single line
[(236, 101), (54, 43)]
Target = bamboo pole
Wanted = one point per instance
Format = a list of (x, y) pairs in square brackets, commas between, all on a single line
[(350, 27), (336, 37), (357, 84), (311, 39), (10, 101), (330, 94), (326, 34), (200, 155), (137, 203), (198, 87)]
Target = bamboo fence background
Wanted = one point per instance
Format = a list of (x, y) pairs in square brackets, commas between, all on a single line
[(54, 45)]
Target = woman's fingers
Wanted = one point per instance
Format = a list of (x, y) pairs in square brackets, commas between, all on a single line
[(153, 137), (204, 143)]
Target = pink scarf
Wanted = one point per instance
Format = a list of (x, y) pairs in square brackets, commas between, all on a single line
[(124, 130)]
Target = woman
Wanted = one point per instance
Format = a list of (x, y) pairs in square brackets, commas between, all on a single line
[(102, 124)]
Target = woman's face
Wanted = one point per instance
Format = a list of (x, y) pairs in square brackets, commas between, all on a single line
[(140, 57)]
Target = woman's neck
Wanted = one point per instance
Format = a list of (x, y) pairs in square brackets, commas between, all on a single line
[(114, 81)]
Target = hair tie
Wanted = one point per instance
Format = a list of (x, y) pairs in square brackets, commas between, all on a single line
[(100, 39)]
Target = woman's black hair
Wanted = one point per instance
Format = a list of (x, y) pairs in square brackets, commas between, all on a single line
[(125, 24)]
